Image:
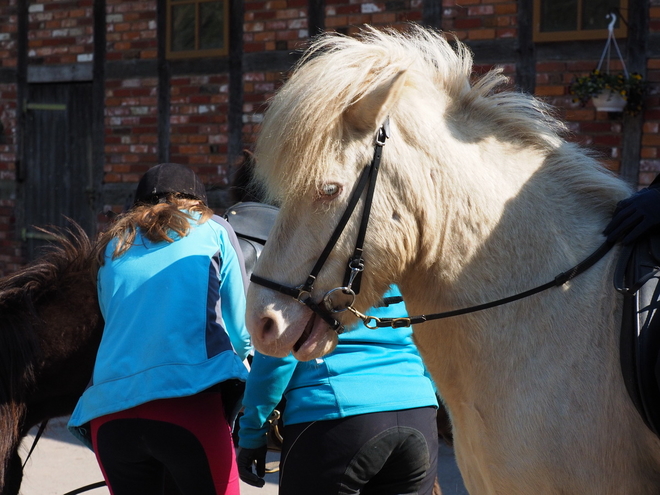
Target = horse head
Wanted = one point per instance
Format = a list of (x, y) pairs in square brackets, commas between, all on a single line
[(447, 183)]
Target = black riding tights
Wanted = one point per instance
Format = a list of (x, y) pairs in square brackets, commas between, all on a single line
[(186, 437), (385, 453)]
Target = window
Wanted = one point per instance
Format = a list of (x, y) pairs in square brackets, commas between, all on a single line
[(197, 28), (560, 20)]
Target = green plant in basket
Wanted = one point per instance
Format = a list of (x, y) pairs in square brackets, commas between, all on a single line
[(631, 88)]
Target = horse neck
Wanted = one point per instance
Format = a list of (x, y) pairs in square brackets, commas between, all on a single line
[(494, 227)]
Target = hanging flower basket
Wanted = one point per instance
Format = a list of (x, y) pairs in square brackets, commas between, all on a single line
[(609, 101), (610, 92), (617, 93)]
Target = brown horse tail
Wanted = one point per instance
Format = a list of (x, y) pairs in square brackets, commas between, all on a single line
[(18, 349)]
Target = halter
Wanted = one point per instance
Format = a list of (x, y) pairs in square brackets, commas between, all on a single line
[(303, 293)]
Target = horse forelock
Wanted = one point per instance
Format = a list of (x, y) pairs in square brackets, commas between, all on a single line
[(304, 126)]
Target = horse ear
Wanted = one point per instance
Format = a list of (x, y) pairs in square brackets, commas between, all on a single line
[(366, 114)]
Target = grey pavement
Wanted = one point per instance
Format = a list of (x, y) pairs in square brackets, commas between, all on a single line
[(60, 464)]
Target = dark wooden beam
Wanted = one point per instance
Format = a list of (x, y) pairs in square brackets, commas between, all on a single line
[(525, 49), (164, 79), (235, 117), (60, 73), (631, 147), (125, 69), (432, 13), (7, 75), (21, 84), (98, 107), (315, 17)]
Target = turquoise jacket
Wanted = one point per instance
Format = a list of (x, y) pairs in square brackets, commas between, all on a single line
[(369, 371), (174, 321)]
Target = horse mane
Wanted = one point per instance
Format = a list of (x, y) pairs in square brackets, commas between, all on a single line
[(63, 265), (70, 255), (304, 118)]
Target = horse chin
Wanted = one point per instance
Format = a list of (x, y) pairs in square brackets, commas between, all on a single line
[(316, 340), (293, 328)]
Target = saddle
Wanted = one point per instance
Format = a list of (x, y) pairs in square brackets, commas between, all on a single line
[(637, 277), (252, 223)]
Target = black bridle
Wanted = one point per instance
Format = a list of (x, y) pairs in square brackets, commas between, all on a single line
[(303, 293)]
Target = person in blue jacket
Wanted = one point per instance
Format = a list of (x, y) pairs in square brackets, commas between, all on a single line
[(170, 368), (362, 419)]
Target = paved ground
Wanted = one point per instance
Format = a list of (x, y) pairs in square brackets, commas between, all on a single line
[(60, 464)]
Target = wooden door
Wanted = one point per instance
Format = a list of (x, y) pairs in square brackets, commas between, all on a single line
[(56, 174)]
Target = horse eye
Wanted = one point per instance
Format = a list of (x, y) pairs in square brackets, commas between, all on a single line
[(329, 190)]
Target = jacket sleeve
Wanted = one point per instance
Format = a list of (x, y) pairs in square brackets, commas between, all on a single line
[(265, 387)]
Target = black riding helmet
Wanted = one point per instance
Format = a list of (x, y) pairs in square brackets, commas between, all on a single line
[(168, 178)]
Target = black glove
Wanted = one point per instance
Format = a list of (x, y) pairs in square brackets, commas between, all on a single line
[(245, 459), (635, 216)]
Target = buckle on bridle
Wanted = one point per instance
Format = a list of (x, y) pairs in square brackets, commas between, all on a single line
[(335, 308), (302, 290), (383, 132)]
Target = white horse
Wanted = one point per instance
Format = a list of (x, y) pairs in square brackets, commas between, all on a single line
[(478, 198)]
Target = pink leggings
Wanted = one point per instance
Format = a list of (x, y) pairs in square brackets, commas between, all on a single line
[(187, 438)]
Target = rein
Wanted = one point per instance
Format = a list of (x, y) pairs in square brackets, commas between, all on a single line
[(351, 288), (82, 489), (40, 431), (558, 281)]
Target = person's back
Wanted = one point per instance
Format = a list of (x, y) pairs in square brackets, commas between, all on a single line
[(359, 420), (169, 368)]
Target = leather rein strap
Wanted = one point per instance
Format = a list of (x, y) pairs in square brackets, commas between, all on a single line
[(303, 293), (374, 322)]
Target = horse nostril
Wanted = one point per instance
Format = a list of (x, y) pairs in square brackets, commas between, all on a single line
[(267, 330), (267, 326)]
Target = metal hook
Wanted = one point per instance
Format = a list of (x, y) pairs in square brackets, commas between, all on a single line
[(610, 27)]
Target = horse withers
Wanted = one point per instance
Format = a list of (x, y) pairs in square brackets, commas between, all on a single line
[(478, 197)]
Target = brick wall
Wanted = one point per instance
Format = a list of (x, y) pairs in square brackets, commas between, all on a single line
[(60, 31), (9, 250), (131, 112), (8, 33), (287, 29), (199, 108), (274, 25), (480, 19), (131, 30), (346, 17)]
